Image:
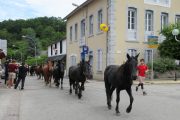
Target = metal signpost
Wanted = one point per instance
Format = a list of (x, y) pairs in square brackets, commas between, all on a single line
[(152, 43)]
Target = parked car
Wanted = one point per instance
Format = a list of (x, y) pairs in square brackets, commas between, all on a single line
[(2, 74)]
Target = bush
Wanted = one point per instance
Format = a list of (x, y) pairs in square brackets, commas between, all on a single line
[(163, 65)]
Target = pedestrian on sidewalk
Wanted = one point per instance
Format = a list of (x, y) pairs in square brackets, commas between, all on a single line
[(142, 69), (1, 71), (12, 67), (21, 76)]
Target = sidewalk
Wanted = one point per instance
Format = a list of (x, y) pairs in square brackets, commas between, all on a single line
[(159, 81), (148, 82)]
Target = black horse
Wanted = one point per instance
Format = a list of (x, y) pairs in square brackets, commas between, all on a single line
[(120, 78), (78, 74), (58, 73)]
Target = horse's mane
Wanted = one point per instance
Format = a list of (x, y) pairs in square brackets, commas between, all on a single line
[(125, 71)]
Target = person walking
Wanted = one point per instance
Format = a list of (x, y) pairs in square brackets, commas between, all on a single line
[(142, 69), (6, 71), (21, 76), (12, 67)]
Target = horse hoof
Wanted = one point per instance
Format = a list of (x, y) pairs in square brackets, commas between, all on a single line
[(109, 107), (79, 96), (70, 91), (128, 110), (118, 114), (61, 88)]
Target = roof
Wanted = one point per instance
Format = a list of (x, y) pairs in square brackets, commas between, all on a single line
[(58, 57), (57, 41), (78, 8)]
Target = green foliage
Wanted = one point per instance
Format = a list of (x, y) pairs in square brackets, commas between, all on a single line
[(170, 47), (32, 60), (163, 65), (44, 30)]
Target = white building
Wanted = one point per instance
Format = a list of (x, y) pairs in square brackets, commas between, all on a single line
[(57, 51), (3, 46)]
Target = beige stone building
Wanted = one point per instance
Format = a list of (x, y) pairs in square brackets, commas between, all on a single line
[(131, 23)]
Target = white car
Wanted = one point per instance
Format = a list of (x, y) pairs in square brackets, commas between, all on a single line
[(2, 74)]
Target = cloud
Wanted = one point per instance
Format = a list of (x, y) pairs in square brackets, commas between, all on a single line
[(23, 9), (58, 8)]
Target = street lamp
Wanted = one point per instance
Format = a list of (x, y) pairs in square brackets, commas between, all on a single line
[(175, 32), (35, 49)]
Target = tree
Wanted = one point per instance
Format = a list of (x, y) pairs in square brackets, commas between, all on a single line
[(170, 47)]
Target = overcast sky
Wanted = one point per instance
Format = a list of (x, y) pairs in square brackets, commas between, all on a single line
[(24, 9)]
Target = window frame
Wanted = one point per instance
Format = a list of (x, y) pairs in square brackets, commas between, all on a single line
[(83, 28), (99, 60), (91, 25), (100, 19), (71, 34), (164, 23), (149, 23), (76, 31)]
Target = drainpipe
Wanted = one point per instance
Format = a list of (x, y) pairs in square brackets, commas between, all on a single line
[(107, 33)]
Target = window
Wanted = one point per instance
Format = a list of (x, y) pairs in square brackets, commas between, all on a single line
[(71, 29), (73, 60), (148, 56), (55, 49), (100, 18), (91, 25), (76, 31), (83, 28), (165, 3), (149, 20), (177, 19), (51, 49), (132, 52), (164, 20), (99, 60), (132, 18), (61, 47)]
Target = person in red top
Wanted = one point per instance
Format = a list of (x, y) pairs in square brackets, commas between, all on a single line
[(142, 69), (12, 67)]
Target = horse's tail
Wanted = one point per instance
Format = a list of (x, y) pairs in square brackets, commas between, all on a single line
[(106, 82)]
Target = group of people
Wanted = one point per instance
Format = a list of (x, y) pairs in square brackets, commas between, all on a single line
[(14, 74)]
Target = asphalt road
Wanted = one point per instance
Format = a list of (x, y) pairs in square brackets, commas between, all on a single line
[(40, 102)]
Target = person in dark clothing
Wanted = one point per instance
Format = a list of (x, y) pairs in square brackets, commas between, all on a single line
[(6, 71), (21, 76)]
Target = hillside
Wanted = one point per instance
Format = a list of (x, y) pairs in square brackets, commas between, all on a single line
[(44, 30)]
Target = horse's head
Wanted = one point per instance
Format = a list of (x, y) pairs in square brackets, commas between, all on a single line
[(133, 62), (85, 68)]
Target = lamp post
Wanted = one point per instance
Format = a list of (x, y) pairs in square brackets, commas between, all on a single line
[(175, 33), (35, 49)]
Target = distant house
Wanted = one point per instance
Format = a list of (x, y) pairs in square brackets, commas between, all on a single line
[(57, 51), (3, 48)]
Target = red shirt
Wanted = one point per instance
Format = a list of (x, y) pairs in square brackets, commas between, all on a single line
[(141, 70), (12, 67)]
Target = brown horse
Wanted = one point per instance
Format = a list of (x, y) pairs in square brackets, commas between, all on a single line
[(47, 72), (39, 71)]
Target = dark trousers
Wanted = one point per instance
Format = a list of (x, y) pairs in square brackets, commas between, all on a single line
[(22, 79)]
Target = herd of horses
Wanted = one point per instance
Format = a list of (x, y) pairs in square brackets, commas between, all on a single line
[(115, 77)]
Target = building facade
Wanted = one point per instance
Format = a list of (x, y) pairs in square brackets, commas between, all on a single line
[(57, 51), (130, 23)]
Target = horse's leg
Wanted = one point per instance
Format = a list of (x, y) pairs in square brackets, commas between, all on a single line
[(61, 82), (109, 96), (117, 100), (80, 90), (129, 91), (70, 83), (76, 87), (82, 86)]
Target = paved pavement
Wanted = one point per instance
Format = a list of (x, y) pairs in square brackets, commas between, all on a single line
[(40, 102)]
